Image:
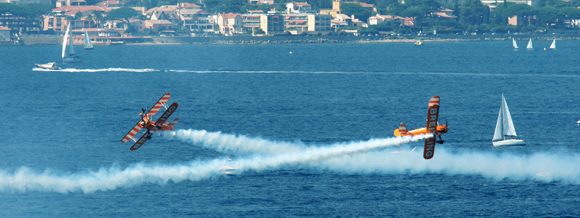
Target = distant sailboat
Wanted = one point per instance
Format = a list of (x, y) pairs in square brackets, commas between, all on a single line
[(515, 44), (553, 46), (68, 52), (530, 47), (505, 132), (88, 44)]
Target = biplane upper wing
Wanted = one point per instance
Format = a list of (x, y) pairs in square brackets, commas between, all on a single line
[(149, 113), (167, 114), (132, 133), (159, 104), (432, 116)]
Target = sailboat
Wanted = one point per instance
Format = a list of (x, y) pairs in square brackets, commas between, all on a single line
[(553, 46), (68, 52), (515, 44), (530, 47), (505, 132), (88, 43)]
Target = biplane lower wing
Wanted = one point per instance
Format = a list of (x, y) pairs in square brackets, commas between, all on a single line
[(142, 140), (147, 115), (167, 114), (432, 116)]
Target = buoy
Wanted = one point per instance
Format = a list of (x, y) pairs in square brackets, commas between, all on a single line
[(290, 52)]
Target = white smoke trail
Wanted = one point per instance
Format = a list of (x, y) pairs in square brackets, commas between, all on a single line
[(540, 166), (228, 142), (25, 179)]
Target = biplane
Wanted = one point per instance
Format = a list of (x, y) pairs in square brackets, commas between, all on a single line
[(151, 126), (432, 127)]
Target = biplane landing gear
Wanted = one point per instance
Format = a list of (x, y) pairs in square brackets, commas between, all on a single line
[(440, 141)]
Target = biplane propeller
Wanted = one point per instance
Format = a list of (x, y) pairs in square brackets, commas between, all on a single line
[(146, 122)]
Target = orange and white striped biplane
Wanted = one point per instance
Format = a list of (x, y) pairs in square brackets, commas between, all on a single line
[(151, 126), (432, 127)]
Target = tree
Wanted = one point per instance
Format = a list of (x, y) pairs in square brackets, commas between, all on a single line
[(413, 12), (122, 14), (357, 10)]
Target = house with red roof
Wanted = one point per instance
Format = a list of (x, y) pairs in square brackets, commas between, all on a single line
[(230, 23), (187, 5), (111, 4)]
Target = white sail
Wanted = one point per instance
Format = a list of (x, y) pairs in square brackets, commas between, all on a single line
[(505, 132), (553, 46), (508, 124), (498, 134), (515, 44), (530, 45), (88, 43), (64, 41), (504, 126), (72, 48)]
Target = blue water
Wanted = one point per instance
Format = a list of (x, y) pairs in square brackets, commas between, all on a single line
[(61, 154)]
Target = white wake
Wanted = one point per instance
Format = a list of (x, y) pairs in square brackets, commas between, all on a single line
[(74, 70)]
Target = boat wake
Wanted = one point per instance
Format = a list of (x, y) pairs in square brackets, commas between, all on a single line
[(74, 70)]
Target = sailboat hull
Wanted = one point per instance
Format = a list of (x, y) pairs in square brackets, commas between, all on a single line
[(509, 142), (72, 59)]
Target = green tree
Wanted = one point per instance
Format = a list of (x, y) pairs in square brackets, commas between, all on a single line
[(122, 14), (357, 10), (473, 12)]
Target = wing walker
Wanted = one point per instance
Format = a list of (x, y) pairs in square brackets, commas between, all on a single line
[(152, 126)]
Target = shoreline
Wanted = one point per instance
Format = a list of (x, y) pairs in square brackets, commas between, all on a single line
[(234, 40)]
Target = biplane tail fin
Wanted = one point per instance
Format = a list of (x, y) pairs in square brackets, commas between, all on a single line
[(172, 123), (401, 131)]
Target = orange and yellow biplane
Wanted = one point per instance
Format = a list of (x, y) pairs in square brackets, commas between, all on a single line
[(147, 123), (432, 128)]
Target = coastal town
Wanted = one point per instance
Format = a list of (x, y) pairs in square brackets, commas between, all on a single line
[(116, 22)]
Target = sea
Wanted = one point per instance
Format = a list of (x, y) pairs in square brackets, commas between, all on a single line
[(304, 130)]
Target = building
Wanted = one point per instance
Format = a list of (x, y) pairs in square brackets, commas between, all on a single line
[(298, 8), (197, 20), (111, 4), (4, 33), (24, 2), (272, 23), (57, 23), (251, 23), (18, 23), (260, 2), (145, 26), (230, 23), (337, 3), (493, 3), (302, 23), (62, 3), (85, 10)]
